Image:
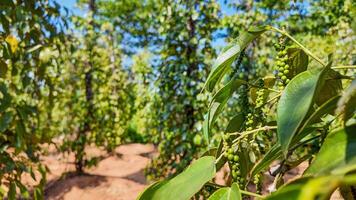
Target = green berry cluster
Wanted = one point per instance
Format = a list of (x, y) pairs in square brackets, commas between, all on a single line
[(233, 159), (243, 100), (260, 102), (257, 180), (260, 98), (249, 122), (281, 66)]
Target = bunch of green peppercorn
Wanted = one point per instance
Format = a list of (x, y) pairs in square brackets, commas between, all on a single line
[(281, 66)]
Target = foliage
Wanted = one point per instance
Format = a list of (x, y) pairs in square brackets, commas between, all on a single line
[(93, 89), (185, 35), (28, 28), (306, 123)]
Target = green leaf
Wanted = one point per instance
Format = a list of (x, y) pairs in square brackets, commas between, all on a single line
[(226, 193), (184, 185), (220, 163), (307, 188), (235, 193), (220, 194), (2, 192), (272, 154), (223, 63), (37, 195), (331, 87), (3, 69), (24, 192), (297, 61), (6, 3), (235, 123), (218, 103), (20, 133), (337, 154), (11, 194), (5, 121), (5, 101), (275, 152), (296, 101), (347, 103), (327, 108)]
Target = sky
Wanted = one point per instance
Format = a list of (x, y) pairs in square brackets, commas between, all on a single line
[(70, 4), (218, 43)]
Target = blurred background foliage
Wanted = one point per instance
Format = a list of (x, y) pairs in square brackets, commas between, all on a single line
[(132, 71)]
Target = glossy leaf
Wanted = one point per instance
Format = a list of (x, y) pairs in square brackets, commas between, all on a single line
[(331, 87), (184, 185), (235, 124), (319, 188), (294, 105), (3, 69), (5, 101), (232, 193), (327, 108), (337, 153), (218, 103), (272, 154), (220, 163), (275, 152), (297, 61), (5, 120), (347, 103), (11, 194), (220, 194), (226, 58)]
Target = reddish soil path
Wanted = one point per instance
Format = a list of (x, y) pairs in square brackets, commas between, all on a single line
[(116, 177)]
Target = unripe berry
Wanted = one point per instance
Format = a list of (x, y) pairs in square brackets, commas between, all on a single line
[(230, 151), (230, 157)]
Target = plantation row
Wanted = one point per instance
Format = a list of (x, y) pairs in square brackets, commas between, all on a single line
[(281, 90)]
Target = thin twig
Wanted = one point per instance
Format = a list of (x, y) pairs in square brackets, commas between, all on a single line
[(344, 67), (270, 89), (244, 134), (251, 194), (273, 98)]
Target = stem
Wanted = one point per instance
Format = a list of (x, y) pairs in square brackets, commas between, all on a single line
[(251, 193), (244, 134), (273, 98), (270, 89), (344, 67), (242, 191), (300, 45), (220, 157)]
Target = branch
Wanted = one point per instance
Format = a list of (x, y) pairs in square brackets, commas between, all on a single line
[(344, 67), (244, 134)]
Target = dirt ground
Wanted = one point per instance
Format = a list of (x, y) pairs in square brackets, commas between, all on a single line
[(116, 177)]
